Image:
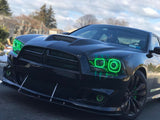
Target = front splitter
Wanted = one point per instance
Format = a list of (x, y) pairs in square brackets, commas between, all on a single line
[(109, 111)]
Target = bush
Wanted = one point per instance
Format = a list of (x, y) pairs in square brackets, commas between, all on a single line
[(1, 46), (3, 35)]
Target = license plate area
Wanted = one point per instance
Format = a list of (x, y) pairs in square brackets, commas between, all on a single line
[(38, 80), (44, 80)]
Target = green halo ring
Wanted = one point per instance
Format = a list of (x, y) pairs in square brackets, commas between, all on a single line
[(115, 69), (99, 98), (98, 59), (116, 65)]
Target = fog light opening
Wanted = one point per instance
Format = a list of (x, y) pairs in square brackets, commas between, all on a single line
[(100, 98), (8, 73)]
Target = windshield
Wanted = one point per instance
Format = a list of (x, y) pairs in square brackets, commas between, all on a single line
[(118, 35)]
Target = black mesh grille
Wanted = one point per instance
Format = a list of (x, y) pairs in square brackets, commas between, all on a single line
[(48, 57), (35, 49), (60, 54), (34, 54)]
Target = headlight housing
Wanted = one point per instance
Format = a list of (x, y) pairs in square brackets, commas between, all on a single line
[(109, 66), (17, 46)]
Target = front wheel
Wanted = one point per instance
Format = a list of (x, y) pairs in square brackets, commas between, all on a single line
[(135, 96)]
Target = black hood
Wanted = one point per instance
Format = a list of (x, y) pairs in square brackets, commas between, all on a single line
[(76, 45)]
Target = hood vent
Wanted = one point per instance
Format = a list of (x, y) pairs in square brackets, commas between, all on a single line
[(61, 38)]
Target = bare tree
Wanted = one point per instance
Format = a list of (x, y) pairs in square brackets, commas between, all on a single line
[(85, 20), (29, 25), (23, 25), (113, 21), (9, 23)]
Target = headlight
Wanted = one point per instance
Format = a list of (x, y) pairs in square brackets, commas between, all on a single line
[(114, 65), (108, 66), (17, 46)]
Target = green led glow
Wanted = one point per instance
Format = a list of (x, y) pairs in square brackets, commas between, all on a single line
[(114, 65), (135, 92), (105, 66), (92, 63), (99, 62), (8, 73), (99, 98), (17, 46), (135, 97)]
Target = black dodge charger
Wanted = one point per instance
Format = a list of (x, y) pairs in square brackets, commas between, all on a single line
[(104, 69)]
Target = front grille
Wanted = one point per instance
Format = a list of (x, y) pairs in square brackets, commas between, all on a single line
[(53, 58), (62, 60), (34, 54)]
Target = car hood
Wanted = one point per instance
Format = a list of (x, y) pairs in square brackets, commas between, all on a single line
[(79, 46)]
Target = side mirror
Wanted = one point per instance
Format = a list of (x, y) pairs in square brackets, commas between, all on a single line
[(157, 50), (65, 33)]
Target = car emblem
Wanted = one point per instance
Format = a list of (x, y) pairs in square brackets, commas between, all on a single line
[(79, 56)]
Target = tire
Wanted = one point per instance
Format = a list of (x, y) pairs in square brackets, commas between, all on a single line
[(135, 97)]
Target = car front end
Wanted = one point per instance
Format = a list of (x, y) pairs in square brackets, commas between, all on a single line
[(93, 82)]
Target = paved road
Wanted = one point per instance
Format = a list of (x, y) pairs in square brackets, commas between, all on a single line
[(14, 106)]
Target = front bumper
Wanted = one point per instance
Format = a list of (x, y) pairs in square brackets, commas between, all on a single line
[(111, 111), (68, 88)]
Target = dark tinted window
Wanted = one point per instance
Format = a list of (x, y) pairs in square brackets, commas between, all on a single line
[(129, 37)]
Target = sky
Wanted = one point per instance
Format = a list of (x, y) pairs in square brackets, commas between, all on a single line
[(141, 14)]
